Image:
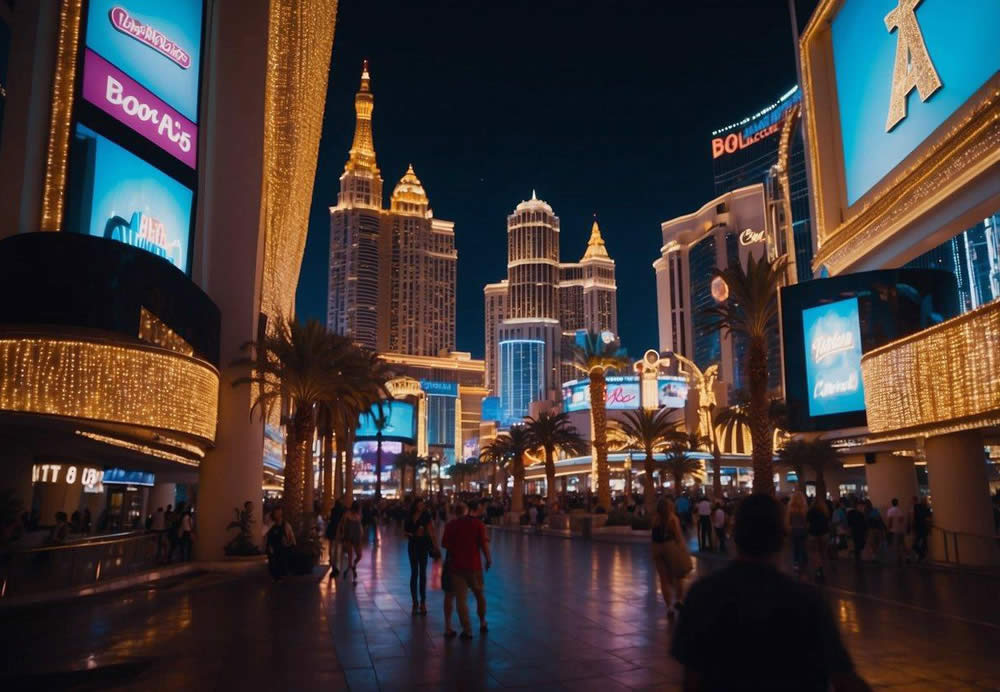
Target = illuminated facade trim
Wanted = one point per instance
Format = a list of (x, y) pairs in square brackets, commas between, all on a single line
[(63, 84), (109, 382), (939, 168), (940, 380)]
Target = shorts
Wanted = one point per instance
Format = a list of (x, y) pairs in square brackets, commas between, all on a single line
[(463, 580)]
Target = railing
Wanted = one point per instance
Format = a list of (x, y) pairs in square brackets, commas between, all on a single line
[(84, 562), (949, 547)]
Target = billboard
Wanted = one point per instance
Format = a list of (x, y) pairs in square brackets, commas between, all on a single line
[(400, 426), (832, 335), (157, 44), (623, 393), (435, 388), (901, 70), (114, 194)]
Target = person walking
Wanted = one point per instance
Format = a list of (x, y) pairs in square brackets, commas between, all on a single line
[(858, 526), (465, 538), (682, 507), (897, 530), (185, 535), (921, 527), (719, 524), (448, 587), (798, 531), (818, 523), (419, 530), (670, 554), (750, 609), (704, 508), (350, 532), (333, 545), (876, 530), (280, 538)]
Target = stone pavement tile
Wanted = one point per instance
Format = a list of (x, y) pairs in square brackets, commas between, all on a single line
[(593, 685), (524, 675), (361, 679), (639, 677)]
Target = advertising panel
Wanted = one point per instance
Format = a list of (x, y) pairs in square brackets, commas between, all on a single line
[(832, 334), (622, 394), (901, 70), (672, 391), (435, 388), (756, 128), (399, 426), (155, 43), (116, 195)]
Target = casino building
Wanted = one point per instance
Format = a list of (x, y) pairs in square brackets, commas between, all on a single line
[(153, 222), (729, 228), (887, 363)]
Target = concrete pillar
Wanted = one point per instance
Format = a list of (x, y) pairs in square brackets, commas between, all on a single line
[(956, 471), (891, 476), (161, 495), (229, 260)]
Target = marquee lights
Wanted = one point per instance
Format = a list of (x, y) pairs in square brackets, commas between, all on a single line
[(941, 380), (141, 448), (103, 381)]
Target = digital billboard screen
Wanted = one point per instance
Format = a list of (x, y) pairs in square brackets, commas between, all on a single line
[(959, 54), (114, 194), (141, 67), (672, 392), (832, 334), (400, 425)]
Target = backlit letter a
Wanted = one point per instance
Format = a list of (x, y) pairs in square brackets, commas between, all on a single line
[(913, 67)]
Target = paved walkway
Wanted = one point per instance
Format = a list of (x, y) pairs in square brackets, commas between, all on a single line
[(563, 614)]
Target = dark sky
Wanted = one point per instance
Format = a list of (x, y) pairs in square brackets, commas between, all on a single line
[(603, 107)]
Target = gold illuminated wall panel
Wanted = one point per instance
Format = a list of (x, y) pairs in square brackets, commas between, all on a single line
[(107, 382), (943, 379)]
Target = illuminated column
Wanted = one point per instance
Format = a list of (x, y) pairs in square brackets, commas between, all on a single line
[(956, 470), (890, 476), (161, 495)]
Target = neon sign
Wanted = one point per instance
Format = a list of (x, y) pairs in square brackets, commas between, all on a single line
[(147, 35), (751, 237)]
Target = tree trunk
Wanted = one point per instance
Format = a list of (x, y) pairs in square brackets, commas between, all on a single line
[(299, 436), (820, 483), (517, 501), (493, 484), (349, 469), (598, 402), (378, 467), (648, 489), (327, 472), (760, 425), (550, 476), (717, 472)]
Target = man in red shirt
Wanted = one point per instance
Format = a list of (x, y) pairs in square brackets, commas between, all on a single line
[(464, 538)]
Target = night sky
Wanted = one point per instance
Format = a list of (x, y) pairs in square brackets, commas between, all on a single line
[(603, 107)]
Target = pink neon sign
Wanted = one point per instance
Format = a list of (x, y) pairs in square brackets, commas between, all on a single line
[(144, 33)]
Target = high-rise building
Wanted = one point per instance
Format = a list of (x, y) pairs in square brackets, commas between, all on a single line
[(726, 230), (535, 313), (495, 296), (973, 256), (587, 296), (392, 271), (768, 147)]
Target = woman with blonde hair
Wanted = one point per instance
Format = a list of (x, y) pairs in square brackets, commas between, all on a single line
[(795, 520), (670, 555)]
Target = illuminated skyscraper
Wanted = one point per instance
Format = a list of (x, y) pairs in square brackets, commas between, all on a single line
[(392, 271), (535, 313)]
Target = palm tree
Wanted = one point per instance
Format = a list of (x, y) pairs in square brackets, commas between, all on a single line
[(594, 358), (408, 460), (552, 432), (738, 416), (650, 431), (819, 455), (751, 313), (492, 455), (513, 445), (679, 464), (292, 364)]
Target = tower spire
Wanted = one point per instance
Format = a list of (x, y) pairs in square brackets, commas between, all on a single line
[(361, 163), (362, 157), (595, 246)]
